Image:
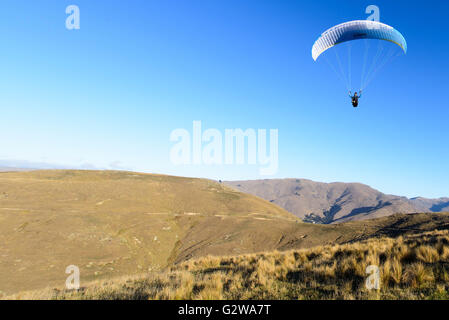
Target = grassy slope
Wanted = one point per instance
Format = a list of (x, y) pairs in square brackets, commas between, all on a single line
[(411, 267), (113, 224), (107, 223), (284, 235)]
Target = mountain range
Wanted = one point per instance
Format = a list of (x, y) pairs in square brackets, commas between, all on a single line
[(336, 202)]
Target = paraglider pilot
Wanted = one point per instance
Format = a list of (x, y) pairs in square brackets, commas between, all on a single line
[(355, 98)]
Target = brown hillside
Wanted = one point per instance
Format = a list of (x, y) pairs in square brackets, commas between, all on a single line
[(326, 202), (111, 223)]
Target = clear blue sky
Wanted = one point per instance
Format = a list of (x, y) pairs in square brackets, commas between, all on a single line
[(109, 94)]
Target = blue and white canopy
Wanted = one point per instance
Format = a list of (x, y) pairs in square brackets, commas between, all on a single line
[(354, 30)]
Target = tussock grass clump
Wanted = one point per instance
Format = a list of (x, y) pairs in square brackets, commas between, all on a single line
[(410, 267)]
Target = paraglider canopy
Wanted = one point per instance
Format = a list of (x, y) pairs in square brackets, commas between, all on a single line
[(367, 62), (354, 30)]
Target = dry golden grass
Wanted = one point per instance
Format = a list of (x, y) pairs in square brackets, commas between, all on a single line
[(114, 223), (411, 267)]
